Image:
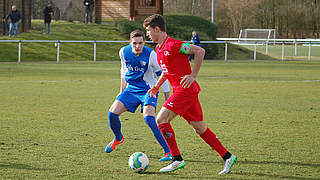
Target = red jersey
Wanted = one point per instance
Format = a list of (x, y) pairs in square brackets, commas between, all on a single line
[(175, 64)]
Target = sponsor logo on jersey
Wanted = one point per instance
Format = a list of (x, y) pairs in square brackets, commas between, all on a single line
[(136, 68), (163, 68), (166, 53)]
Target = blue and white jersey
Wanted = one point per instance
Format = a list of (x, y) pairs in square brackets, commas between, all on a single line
[(138, 71)]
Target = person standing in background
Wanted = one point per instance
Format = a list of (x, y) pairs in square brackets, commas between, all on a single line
[(14, 16), (89, 4), (196, 41), (48, 13)]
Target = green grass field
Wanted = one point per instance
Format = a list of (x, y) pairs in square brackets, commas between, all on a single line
[(275, 51), (53, 123)]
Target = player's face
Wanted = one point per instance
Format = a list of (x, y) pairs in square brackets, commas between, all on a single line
[(137, 44), (152, 34)]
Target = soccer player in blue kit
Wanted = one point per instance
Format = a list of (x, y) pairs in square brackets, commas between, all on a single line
[(138, 65)]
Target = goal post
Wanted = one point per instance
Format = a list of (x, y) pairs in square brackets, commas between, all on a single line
[(260, 36)]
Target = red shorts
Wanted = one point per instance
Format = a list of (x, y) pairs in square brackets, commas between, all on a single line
[(185, 104)]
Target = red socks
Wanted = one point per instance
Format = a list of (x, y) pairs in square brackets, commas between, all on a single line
[(211, 139), (208, 136), (169, 136)]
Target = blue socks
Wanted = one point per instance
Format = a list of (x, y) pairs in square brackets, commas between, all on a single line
[(150, 120), (115, 125)]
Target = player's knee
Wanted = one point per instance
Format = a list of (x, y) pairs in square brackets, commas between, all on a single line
[(149, 111), (199, 130), (161, 120), (199, 127)]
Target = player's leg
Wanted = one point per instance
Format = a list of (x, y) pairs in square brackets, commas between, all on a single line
[(163, 119), (195, 118), (126, 101), (149, 112), (115, 110)]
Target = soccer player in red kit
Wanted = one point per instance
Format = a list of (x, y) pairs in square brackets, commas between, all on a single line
[(173, 59)]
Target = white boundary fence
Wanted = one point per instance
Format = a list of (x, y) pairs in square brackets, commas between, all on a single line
[(225, 41), (267, 42)]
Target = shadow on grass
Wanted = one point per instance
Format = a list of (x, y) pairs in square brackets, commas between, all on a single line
[(20, 166), (288, 163), (272, 176), (279, 163), (159, 173)]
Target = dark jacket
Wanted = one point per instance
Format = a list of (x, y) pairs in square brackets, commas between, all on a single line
[(14, 16), (196, 40), (89, 4), (47, 14)]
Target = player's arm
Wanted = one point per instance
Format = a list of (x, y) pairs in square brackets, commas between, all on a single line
[(198, 53), (123, 85), (154, 90), (156, 68), (165, 86), (123, 71)]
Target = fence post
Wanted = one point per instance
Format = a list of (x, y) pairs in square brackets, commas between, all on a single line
[(295, 48), (255, 52), (282, 51), (226, 52), (95, 51), (19, 52), (58, 52), (267, 47), (309, 57)]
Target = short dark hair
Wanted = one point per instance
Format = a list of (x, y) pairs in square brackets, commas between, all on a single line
[(155, 20), (136, 33)]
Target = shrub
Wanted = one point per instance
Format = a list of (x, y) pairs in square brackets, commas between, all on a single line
[(180, 27)]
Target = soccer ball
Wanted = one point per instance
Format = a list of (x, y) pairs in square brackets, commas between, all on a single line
[(138, 162)]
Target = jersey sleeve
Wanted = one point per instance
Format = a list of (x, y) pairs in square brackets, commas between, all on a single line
[(123, 69), (153, 62), (156, 68)]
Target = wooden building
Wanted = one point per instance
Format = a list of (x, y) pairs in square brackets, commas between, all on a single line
[(110, 10), (25, 8)]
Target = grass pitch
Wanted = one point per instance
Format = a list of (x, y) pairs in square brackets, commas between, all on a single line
[(53, 123)]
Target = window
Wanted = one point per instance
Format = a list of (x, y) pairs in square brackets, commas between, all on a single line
[(147, 3)]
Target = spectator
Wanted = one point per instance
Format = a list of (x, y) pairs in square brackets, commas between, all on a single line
[(89, 4), (14, 17), (48, 13), (196, 41)]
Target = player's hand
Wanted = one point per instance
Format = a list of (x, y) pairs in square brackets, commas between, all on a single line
[(153, 91), (186, 81)]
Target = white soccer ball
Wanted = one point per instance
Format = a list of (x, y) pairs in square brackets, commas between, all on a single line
[(138, 162)]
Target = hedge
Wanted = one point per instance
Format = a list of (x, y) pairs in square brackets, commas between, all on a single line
[(180, 27)]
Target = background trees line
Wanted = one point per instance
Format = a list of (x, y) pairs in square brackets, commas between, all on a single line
[(290, 18)]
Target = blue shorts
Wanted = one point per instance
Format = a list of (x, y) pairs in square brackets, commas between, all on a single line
[(132, 99)]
